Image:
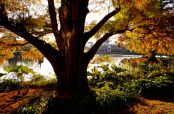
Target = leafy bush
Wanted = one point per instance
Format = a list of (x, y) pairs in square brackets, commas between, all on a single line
[(20, 71), (37, 77), (146, 80), (9, 84), (153, 87), (116, 69), (107, 74), (37, 107), (46, 83), (104, 83), (109, 100), (146, 68), (99, 59)]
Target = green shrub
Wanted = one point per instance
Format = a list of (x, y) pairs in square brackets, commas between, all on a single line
[(112, 100), (146, 68), (37, 77), (104, 83), (36, 108), (153, 87), (116, 69), (20, 71), (107, 74), (46, 83), (99, 59), (9, 84)]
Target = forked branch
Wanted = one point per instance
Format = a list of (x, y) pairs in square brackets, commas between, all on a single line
[(89, 34)]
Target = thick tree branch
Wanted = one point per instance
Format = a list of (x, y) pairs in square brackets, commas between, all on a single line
[(93, 50), (52, 13), (48, 25), (22, 32), (54, 24), (90, 54), (18, 44), (89, 34), (3, 14)]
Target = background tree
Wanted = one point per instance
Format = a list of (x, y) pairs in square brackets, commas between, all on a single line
[(11, 43), (151, 33), (64, 19)]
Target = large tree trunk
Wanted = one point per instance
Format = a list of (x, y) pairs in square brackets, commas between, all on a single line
[(71, 65), (71, 72)]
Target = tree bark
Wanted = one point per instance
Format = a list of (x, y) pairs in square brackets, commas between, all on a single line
[(71, 66), (150, 56), (71, 72)]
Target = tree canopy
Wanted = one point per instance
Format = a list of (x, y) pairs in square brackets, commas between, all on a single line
[(151, 32)]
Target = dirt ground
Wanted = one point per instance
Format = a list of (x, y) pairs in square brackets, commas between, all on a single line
[(10, 101), (154, 106)]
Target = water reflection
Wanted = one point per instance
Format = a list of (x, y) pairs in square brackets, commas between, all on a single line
[(17, 59), (42, 67), (116, 60)]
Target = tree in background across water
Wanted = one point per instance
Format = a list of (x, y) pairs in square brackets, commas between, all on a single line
[(10, 43), (151, 33)]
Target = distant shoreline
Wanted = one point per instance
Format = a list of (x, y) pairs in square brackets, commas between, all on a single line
[(124, 53)]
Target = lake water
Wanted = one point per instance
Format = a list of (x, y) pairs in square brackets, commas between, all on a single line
[(46, 69)]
